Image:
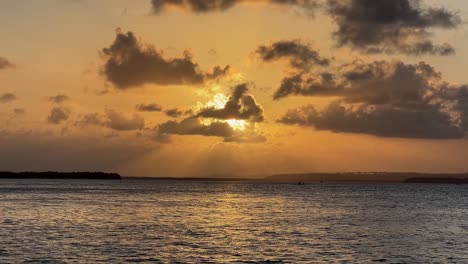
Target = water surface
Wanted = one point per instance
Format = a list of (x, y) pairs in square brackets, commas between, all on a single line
[(45, 221)]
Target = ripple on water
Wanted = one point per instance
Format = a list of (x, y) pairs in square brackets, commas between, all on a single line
[(151, 222)]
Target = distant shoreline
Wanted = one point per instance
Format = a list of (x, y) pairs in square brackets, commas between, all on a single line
[(60, 175), (358, 177), (373, 177), (344, 177)]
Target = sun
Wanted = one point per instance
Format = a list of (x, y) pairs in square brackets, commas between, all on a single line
[(219, 102), (237, 124)]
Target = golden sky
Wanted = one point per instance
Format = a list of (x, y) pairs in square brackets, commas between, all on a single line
[(233, 87)]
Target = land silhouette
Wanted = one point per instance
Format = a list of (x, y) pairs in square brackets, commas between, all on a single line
[(376, 177), (389, 177), (60, 175)]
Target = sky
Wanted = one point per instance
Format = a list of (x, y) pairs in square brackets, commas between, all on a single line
[(225, 88)]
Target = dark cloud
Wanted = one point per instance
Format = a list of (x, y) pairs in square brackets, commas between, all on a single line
[(118, 121), (114, 120), (458, 96), (461, 106), (381, 121), (370, 26), (378, 82), (387, 99), (162, 138), (44, 152), (300, 56), (218, 72), (129, 63), (202, 6), (194, 5), (7, 97), (397, 26), (59, 98), (298, 84), (196, 126), (148, 108), (58, 115), (4, 63), (19, 111), (214, 122), (92, 119), (174, 112), (239, 106)]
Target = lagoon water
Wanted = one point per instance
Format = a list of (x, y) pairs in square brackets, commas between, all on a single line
[(45, 221)]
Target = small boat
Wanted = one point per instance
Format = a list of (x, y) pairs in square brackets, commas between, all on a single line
[(301, 183)]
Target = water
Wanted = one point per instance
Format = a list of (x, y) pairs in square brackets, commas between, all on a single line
[(45, 221)]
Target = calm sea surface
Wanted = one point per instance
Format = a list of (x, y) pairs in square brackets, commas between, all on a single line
[(44, 221)]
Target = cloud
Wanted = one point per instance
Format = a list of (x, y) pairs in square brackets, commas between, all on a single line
[(387, 99), (203, 6), (461, 105), (218, 72), (240, 105), (370, 26), (374, 82), (113, 120), (302, 59), (173, 112), (7, 97), (91, 119), (232, 118), (148, 108), (397, 26), (300, 56), (382, 121), (298, 84), (58, 115), (44, 152), (458, 96), (129, 63), (196, 126), (59, 98), (19, 111), (118, 121), (5, 64)]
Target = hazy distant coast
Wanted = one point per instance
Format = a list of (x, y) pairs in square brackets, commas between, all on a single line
[(389, 177), (383, 177), (448, 180), (376, 177), (60, 175)]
